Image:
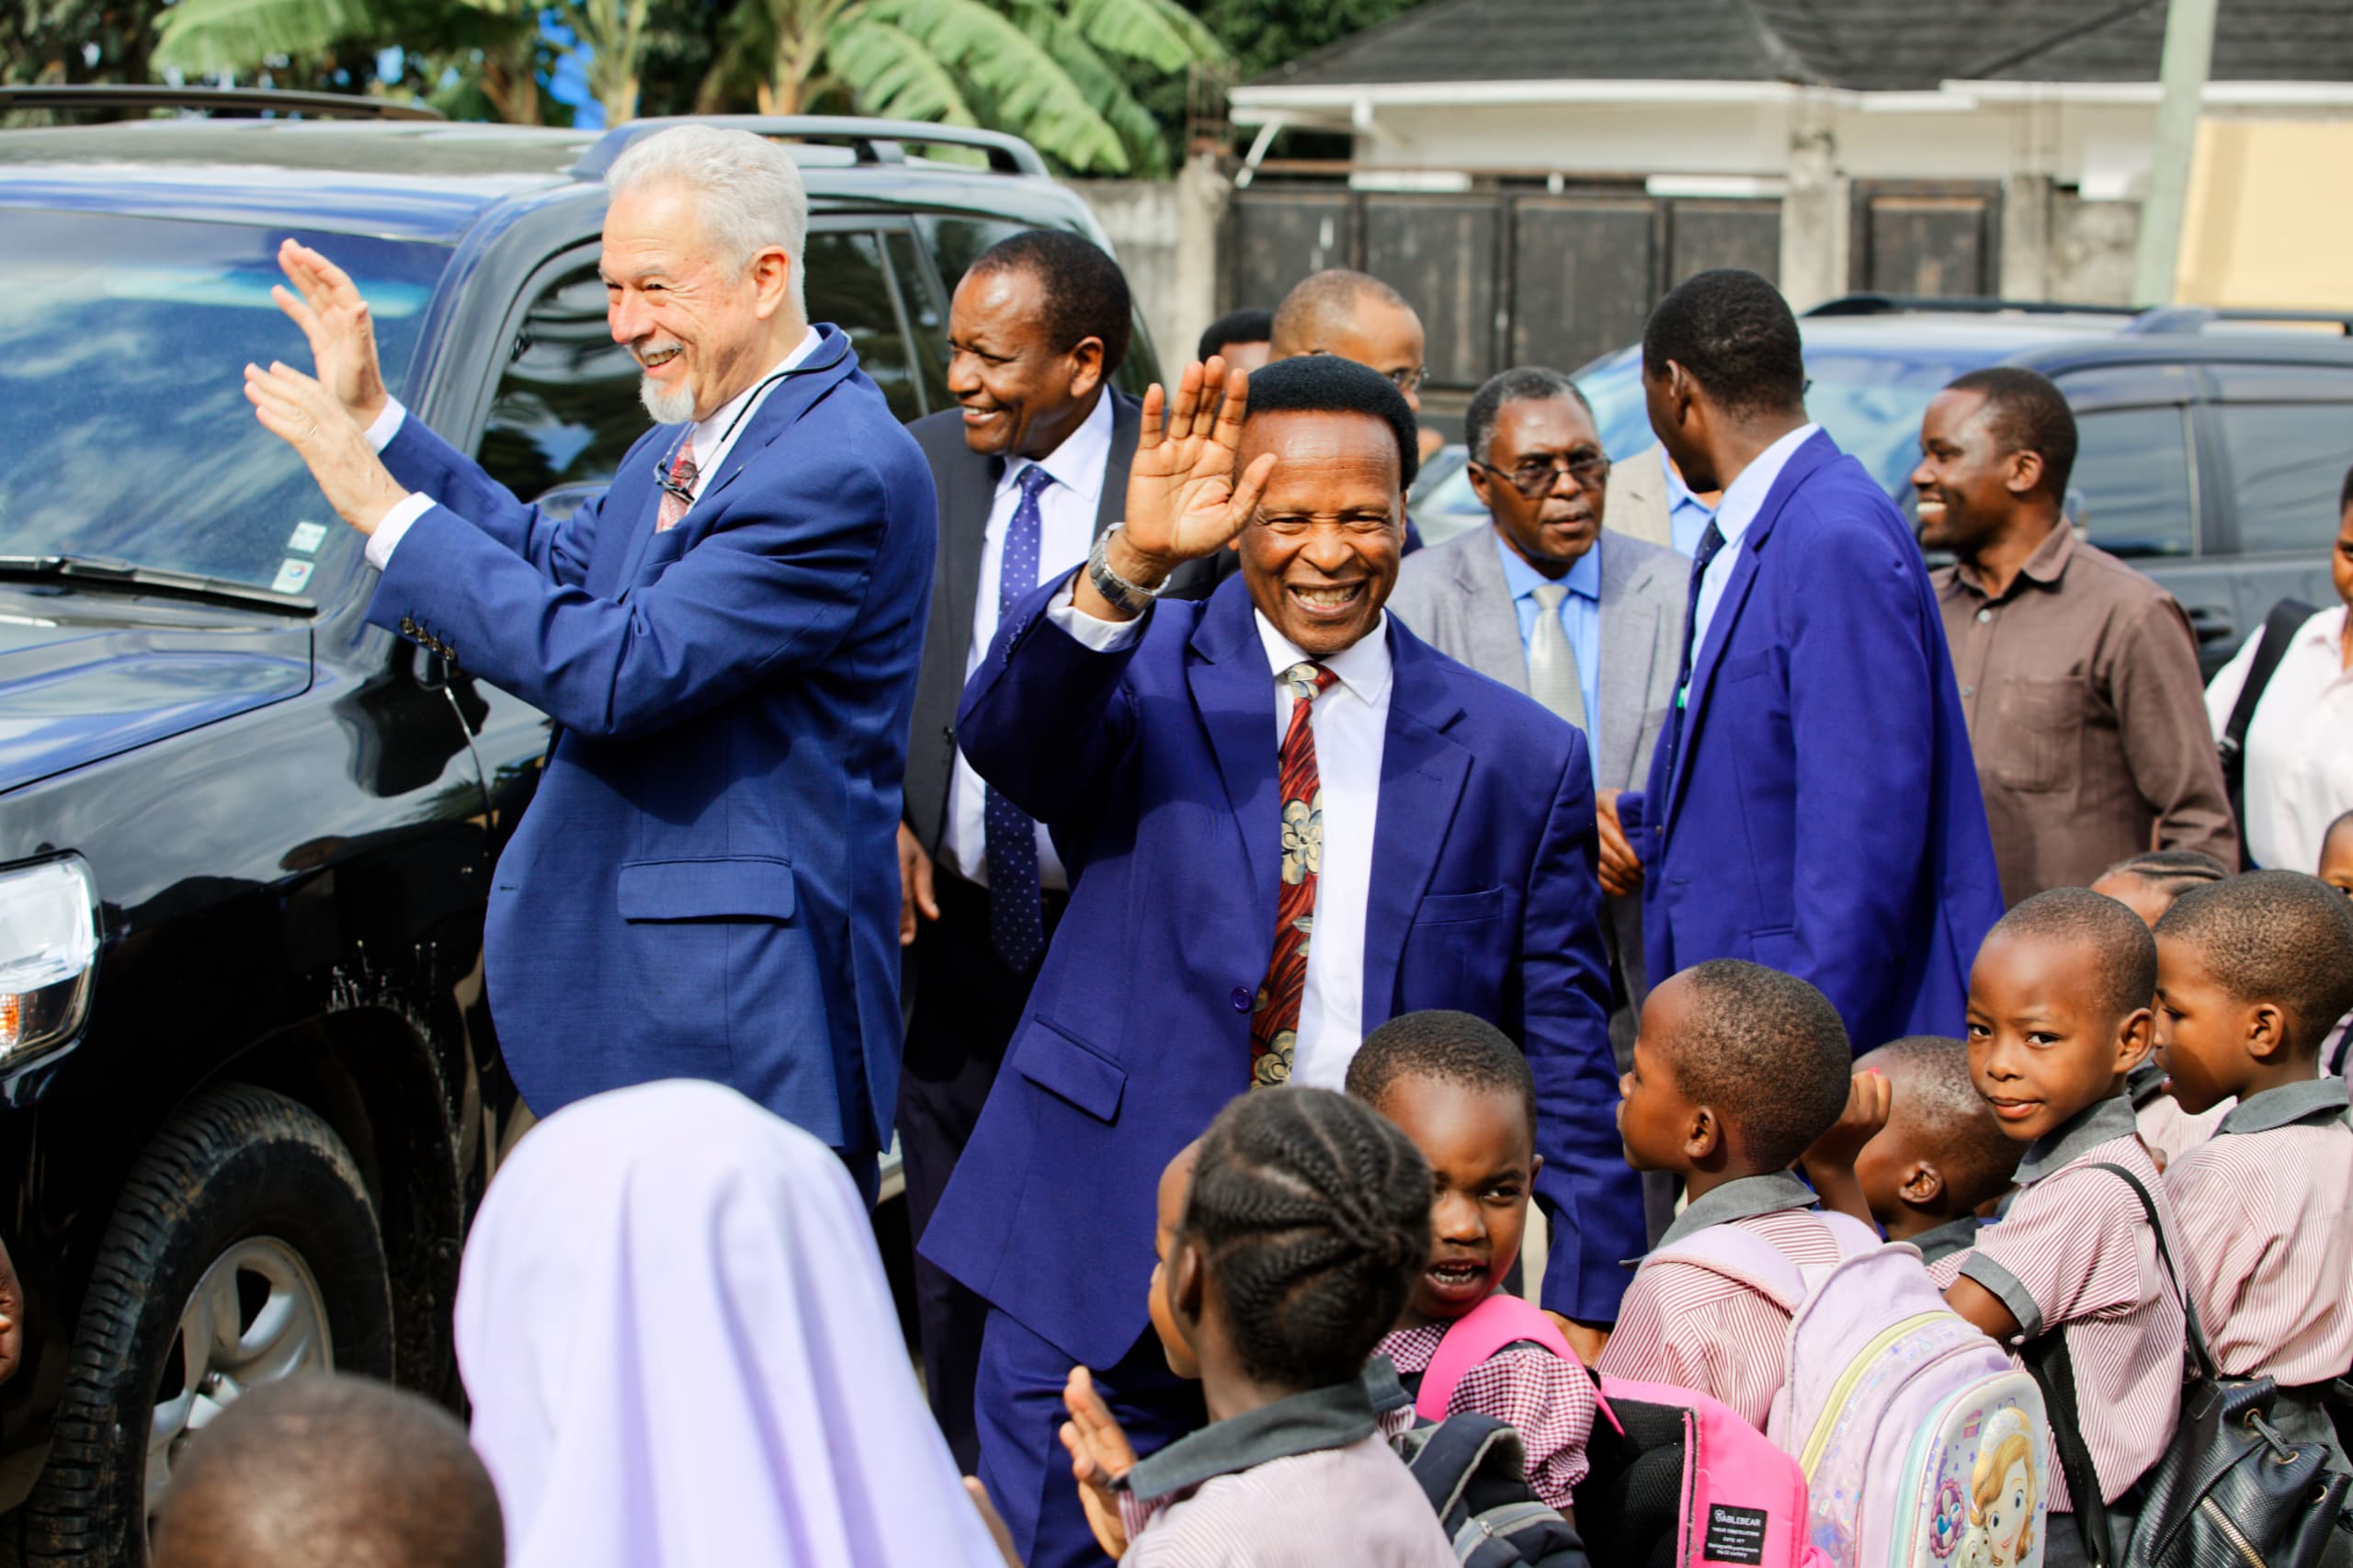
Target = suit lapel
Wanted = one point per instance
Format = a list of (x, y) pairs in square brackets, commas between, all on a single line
[(1422, 773), (1234, 692), (1112, 505), (1817, 450), (1629, 645), (1494, 620), (830, 363)]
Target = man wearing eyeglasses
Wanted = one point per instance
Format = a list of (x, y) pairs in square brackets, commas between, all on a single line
[(1542, 601), (1354, 315)]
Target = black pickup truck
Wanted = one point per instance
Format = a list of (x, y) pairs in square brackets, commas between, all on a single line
[(249, 1092)]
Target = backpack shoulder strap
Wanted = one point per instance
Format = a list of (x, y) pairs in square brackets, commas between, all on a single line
[(2199, 1354), (1740, 1254), (2277, 628), (1450, 1455), (1501, 1319)]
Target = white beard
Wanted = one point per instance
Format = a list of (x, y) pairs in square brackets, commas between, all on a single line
[(669, 405)]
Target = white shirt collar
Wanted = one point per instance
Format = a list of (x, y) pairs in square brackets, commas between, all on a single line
[(1362, 666), (1745, 496), (1077, 464), (708, 433)]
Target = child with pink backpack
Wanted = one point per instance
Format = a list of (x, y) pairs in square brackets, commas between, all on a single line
[(1921, 1445)]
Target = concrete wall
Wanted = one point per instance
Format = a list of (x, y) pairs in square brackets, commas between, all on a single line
[(2265, 226), (1165, 233)]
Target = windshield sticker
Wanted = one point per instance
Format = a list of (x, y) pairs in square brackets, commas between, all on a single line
[(291, 575), (307, 537)]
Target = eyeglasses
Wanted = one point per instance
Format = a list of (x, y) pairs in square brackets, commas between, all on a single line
[(1535, 480)]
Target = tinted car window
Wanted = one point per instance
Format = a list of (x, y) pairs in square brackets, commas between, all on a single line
[(566, 408), (124, 429), (848, 287), (956, 242), (926, 319), (2133, 468), (2288, 435)]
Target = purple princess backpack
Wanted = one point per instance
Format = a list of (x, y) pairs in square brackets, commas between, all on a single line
[(1923, 1444)]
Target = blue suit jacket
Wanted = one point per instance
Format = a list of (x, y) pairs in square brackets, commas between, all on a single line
[(706, 885), (1823, 815), (1155, 768)]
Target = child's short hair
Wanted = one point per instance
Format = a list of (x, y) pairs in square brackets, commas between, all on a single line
[(1938, 1103), (2273, 937), (1452, 1048), (1765, 1051), (2171, 871), (1312, 1214), (2124, 972)]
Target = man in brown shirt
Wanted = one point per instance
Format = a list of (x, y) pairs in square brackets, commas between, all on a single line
[(2079, 675)]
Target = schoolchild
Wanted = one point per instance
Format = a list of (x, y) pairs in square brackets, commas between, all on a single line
[(2147, 885), (1941, 1157)]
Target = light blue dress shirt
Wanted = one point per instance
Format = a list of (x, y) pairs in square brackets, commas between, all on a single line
[(1742, 499), (1686, 514), (1580, 613)]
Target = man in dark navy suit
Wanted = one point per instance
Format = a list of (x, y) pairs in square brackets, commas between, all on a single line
[(1812, 804), (1288, 820), (727, 639)]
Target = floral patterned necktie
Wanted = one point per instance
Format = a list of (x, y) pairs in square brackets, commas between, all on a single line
[(1274, 1022), (683, 475)]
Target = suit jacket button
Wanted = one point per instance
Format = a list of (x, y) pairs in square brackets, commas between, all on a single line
[(1240, 997), (948, 734), (408, 626)]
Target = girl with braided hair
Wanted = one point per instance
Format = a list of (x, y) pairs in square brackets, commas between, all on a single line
[(1289, 1240)]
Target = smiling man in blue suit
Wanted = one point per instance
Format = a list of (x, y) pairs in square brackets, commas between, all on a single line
[(1812, 804), (706, 885), (1288, 820)]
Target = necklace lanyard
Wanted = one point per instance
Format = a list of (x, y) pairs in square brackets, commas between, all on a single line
[(670, 486)]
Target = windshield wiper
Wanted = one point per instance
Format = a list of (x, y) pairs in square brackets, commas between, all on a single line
[(108, 573)]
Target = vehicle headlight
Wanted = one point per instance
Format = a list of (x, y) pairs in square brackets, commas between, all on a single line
[(49, 949)]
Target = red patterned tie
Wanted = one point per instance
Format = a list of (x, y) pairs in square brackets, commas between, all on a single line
[(1274, 1023), (683, 475)]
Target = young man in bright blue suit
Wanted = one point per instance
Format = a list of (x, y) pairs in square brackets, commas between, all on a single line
[(1288, 820), (727, 639), (1812, 804)]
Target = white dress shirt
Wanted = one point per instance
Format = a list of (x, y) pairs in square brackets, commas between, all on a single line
[(1066, 512), (2300, 746), (1742, 499), (1351, 722), (711, 440)]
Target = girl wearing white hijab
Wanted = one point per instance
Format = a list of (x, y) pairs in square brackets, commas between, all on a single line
[(674, 1326)]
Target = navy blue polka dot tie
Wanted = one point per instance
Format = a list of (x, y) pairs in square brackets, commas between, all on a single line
[(1016, 915)]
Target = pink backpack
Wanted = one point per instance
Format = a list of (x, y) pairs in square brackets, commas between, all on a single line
[(1923, 1444), (1676, 1480)]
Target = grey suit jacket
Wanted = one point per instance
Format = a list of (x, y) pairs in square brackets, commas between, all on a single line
[(967, 485), (1454, 597), (1637, 502)]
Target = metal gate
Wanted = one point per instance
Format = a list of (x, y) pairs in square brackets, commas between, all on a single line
[(1927, 237), (1500, 278)]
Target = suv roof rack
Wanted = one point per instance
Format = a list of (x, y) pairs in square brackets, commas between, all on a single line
[(1973, 304), (228, 101), (869, 141), (2197, 318)]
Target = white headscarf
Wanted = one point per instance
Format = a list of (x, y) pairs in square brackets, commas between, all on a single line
[(681, 1352)]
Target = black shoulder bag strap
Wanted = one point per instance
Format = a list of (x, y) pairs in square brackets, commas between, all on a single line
[(2277, 628), (2051, 1365)]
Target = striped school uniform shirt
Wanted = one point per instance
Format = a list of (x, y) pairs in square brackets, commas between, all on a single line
[(1304, 1482), (1688, 1326), (2267, 1211), (2074, 1254), (1548, 1400), (2168, 1130)]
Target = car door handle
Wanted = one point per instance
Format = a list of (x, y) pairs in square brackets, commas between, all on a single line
[(2212, 624)]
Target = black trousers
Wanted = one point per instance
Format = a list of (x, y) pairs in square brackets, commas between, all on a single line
[(966, 1005)]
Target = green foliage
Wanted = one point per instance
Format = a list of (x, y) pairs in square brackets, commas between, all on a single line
[(1262, 37)]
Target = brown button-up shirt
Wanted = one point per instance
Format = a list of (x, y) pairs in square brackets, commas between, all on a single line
[(2087, 716)]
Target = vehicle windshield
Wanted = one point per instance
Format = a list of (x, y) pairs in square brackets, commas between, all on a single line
[(1870, 402), (123, 342)]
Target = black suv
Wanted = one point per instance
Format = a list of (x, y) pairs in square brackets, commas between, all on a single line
[(2213, 442), (249, 1095)]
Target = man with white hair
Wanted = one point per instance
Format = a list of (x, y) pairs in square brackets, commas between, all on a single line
[(727, 638)]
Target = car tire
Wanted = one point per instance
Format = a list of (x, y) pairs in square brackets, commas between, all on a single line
[(253, 1197)]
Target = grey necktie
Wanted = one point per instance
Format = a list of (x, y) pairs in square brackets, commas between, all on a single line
[(1553, 678)]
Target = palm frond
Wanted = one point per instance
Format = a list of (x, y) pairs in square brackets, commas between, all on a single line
[(1034, 96), (1104, 88), (231, 35), (891, 73), (1160, 32)]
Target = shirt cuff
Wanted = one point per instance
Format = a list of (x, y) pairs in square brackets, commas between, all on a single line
[(1091, 631), (387, 424), (2010, 1290), (397, 522)]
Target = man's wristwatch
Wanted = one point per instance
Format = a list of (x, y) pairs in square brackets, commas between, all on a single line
[(1111, 585)]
